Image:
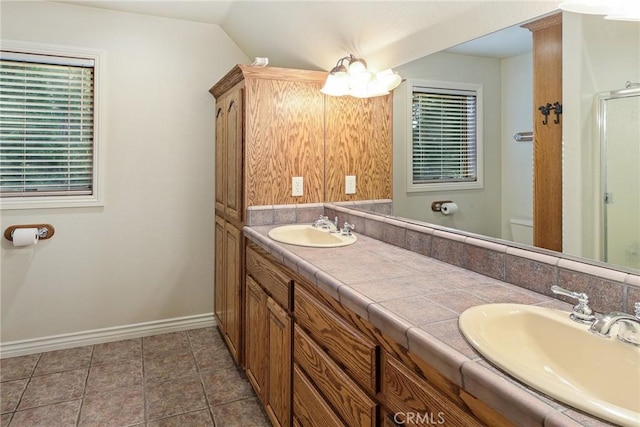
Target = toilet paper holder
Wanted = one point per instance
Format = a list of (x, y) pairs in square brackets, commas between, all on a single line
[(437, 205), (45, 231)]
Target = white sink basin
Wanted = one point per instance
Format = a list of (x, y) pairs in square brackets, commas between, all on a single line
[(545, 349), (306, 235)]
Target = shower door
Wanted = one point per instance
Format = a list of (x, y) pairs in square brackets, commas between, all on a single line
[(620, 155)]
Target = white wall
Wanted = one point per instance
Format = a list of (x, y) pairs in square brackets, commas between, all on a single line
[(479, 210), (598, 56), (148, 253), (517, 156)]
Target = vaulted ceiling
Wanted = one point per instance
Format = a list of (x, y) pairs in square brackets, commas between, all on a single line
[(314, 34)]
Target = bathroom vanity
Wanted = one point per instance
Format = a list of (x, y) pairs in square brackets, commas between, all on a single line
[(374, 336)]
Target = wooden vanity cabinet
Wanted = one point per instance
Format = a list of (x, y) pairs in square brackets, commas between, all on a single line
[(228, 289), (314, 362), (268, 336)]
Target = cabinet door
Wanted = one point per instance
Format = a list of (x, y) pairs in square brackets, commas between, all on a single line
[(358, 142), (279, 365), (234, 142), (232, 287), (256, 338), (221, 155), (219, 283)]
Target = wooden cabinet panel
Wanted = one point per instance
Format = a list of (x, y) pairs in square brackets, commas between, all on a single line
[(228, 284), (358, 142), (356, 353), (273, 279), (234, 139), (416, 400), (268, 337), (219, 285), (279, 365), (309, 407), (221, 155), (351, 403), (284, 138), (233, 288), (256, 337)]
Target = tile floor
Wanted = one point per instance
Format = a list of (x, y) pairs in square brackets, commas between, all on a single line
[(177, 379)]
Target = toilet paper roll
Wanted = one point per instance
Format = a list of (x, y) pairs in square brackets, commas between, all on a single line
[(449, 208), (25, 236)]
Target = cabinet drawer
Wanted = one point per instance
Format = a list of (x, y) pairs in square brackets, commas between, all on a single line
[(270, 277), (348, 400), (309, 407), (415, 401), (356, 353)]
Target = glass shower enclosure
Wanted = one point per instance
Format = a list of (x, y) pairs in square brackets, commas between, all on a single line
[(619, 122)]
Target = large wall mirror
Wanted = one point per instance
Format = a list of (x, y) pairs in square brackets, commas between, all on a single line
[(599, 57)]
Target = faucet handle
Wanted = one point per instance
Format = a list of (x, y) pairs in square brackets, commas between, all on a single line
[(346, 228), (581, 311)]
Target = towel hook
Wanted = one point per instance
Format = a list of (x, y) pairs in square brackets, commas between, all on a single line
[(545, 110)]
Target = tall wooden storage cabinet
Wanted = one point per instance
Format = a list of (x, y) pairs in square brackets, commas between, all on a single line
[(229, 219), (269, 128), (273, 124)]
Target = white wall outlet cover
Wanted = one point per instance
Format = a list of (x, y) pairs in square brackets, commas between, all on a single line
[(297, 186), (350, 184)]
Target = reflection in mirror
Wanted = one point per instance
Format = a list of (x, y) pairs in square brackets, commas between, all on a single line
[(620, 173), (502, 64)]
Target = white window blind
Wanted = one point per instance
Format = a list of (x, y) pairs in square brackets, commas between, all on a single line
[(444, 135), (46, 125)]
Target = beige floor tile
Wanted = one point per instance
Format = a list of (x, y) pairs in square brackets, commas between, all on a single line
[(121, 407), (110, 376), (115, 351), (15, 368), (241, 413), (174, 397), (53, 388), (64, 360), (200, 418), (62, 414), (225, 385)]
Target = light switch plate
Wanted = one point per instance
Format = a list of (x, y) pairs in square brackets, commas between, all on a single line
[(297, 187), (350, 184)]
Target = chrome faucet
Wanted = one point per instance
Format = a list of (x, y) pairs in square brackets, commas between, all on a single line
[(581, 311), (629, 328), (324, 224)]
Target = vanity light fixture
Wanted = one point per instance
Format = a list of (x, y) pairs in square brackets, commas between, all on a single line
[(619, 10), (350, 76)]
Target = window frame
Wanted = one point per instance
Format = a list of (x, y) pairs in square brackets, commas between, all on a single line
[(99, 142), (443, 186)]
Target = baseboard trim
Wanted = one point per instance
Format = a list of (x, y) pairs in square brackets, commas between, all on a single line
[(99, 336)]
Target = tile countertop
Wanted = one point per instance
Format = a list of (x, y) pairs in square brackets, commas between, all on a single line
[(391, 287)]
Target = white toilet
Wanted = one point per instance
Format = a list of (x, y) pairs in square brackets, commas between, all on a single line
[(522, 231)]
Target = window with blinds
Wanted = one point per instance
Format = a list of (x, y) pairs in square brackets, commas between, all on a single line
[(446, 141), (47, 143)]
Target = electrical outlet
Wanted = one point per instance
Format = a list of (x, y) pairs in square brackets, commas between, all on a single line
[(297, 188), (350, 184)]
